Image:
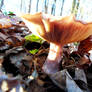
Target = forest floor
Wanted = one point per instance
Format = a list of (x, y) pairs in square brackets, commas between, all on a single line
[(21, 61)]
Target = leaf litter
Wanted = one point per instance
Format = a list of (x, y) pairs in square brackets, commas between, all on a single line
[(22, 57)]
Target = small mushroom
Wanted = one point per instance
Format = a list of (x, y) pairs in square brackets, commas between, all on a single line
[(57, 31)]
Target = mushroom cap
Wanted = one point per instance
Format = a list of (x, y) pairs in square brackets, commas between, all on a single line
[(57, 30)]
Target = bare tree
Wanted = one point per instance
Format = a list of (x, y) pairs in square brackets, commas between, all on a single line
[(53, 8), (37, 5), (46, 6), (75, 6), (29, 9), (1, 4), (62, 7)]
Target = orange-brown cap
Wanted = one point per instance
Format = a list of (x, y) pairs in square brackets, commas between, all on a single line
[(57, 29)]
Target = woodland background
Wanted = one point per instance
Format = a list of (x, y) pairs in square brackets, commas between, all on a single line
[(81, 8)]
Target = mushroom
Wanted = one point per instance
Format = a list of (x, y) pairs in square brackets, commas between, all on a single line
[(57, 31)]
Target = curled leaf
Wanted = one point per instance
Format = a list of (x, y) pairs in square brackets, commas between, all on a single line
[(5, 23), (33, 38), (85, 45)]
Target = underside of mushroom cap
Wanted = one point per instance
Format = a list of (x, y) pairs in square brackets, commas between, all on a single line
[(57, 30)]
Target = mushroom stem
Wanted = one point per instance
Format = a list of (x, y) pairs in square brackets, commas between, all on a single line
[(52, 62)]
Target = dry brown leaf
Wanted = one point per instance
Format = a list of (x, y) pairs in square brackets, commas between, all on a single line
[(5, 23), (85, 45)]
